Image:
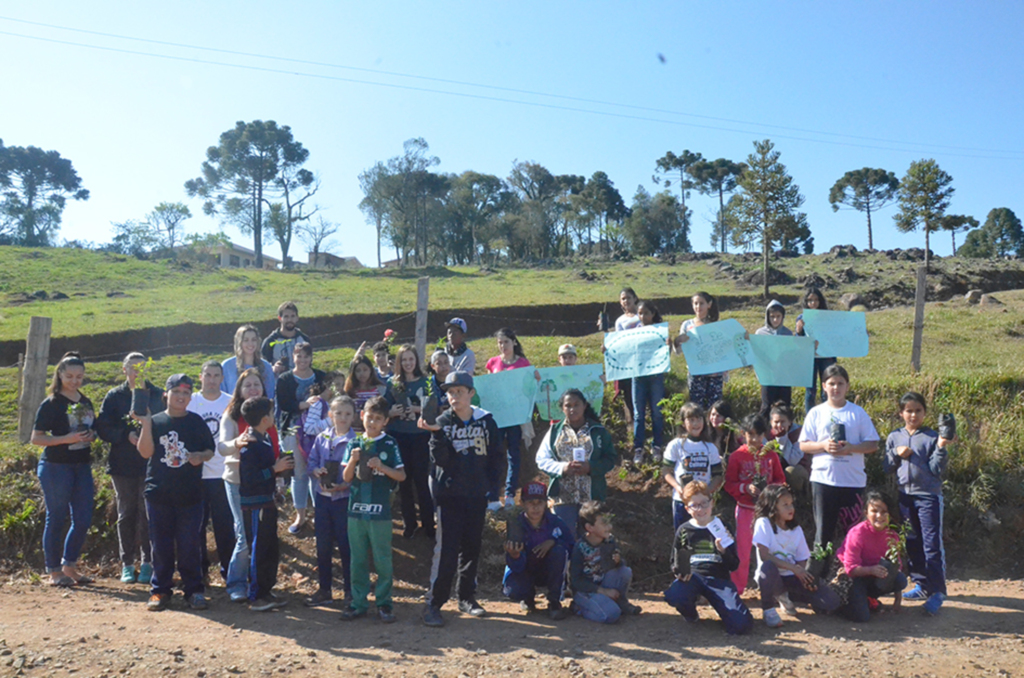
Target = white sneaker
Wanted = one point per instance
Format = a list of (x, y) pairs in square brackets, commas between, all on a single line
[(786, 604), (772, 619)]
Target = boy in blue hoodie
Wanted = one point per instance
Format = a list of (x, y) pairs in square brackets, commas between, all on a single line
[(774, 319)]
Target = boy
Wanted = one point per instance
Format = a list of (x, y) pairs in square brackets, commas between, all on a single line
[(177, 443), (464, 451), (599, 577), (537, 548), (566, 355), (703, 565), (460, 355), (774, 317), (369, 509), (382, 359), (259, 512), (277, 348), (210, 405)]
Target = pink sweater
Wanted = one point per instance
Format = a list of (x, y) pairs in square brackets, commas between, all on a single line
[(496, 364), (864, 546)]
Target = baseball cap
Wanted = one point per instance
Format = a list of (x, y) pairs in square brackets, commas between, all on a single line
[(457, 379), (457, 322), (534, 490), (179, 379), (566, 349)]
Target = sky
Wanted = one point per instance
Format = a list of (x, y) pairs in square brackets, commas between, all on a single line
[(134, 93)]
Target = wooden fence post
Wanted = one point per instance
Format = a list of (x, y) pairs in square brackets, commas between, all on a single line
[(919, 298), (422, 302), (33, 379)]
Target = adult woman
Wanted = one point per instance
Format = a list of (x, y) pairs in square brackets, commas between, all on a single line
[(407, 390), (293, 398), (247, 354), (63, 427)]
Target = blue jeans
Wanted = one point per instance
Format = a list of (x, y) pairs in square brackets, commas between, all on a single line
[(174, 534), (648, 391), (331, 527), (548, 572), (238, 567), (924, 542), (679, 514), (720, 593), (217, 510), (513, 435), (300, 484), (599, 607), (811, 394), (68, 491)]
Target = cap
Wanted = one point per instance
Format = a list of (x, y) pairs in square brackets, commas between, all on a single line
[(457, 322), (457, 379), (179, 379), (534, 490), (566, 349)]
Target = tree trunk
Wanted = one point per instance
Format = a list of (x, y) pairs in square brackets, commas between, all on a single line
[(766, 244), (721, 216), (927, 249), (871, 243), (257, 227), (953, 235), (379, 228)]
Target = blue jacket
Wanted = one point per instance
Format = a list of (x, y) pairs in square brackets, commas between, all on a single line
[(551, 527), (922, 472)]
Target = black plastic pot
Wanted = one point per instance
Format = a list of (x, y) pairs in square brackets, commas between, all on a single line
[(836, 431), (817, 567), (329, 479), (430, 410), (947, 426), (287, 475), (892, 569), (140, 401), (514, 530)]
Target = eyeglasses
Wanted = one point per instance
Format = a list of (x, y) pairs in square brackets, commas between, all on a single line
[(699, 506)]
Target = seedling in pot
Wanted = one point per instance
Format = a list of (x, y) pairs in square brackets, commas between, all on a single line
[(140, 394)]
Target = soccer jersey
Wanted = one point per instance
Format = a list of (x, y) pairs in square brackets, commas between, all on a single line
[(371, 499)]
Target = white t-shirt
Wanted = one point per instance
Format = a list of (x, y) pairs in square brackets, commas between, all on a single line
[(691, 458), (838, 471), (787, 545), (626, 322), (211, 412)]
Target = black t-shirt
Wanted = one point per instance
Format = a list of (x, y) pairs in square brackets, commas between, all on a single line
[(59, 416), (170, 478)]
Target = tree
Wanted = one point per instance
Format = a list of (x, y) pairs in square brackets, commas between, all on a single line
[(133, 238), (977, 246), (655, 224), (374, 205), (865, 190), (924, 195), (957, 222), (475, 201), (766, 208), (316, 235), (537, 188), (164, 221), (1003, 230), (36, 185), (240, 174), (297, 185), (682, 163), (717, 176)]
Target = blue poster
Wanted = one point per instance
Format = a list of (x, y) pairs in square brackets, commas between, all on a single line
[(554, 381), (783, 361), (716, 347), (508, 395), (637, 352), (840, 334)]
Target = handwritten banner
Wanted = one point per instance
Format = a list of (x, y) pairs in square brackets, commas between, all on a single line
[(783, 361), (508, 395), (554, 381), (840, 334), (637, 352), (716, 347)]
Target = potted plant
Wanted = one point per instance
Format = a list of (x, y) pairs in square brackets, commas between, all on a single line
[(140, 394), (836, 430), (367, 451), (894, 554), (430, 406), (818, 563), (329, 480)]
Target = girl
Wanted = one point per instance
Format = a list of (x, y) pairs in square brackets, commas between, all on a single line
[(628, 320), (782, 555), (576, 453), (750, 470), (361, 385), (917, 455), (247, 354), (648, 391), (691, 457), (407, 390), (838, 434), (331, 505), (774, 319), (63, 428), (439, 368), (720, 419), (294, 398), (705, 389), (787, 434), (510, 356), (234, 435), (813, 299), (865, 545)]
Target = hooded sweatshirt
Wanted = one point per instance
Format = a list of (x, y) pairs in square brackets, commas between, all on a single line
[(782, 330), (465, 455)]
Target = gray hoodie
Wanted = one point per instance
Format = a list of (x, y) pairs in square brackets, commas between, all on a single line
[(783, 331)]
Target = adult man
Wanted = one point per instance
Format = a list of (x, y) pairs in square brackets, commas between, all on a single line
[(278, 346)]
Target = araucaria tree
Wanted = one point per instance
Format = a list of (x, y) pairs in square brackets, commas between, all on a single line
[(865, 190), (35, 185), (244, 171), (717, 177), (924, 195), (766, 207)]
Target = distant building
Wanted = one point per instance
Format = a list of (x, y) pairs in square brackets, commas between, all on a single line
[(327, 260), (236, 256)]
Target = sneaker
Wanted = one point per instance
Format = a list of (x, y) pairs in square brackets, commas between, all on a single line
[(386, 615), (294, 529), (874, 604), (656, 455), (319, 598), (432, 616), (238, 597), (772, 619), (933, 603), (157, 602), (197, 601), (631, 609), (916, 593), (494, 506), (278, 600), (351, 614), (638, 456), (557, 613), (472, 608), (787, 604), (262, 604), (145, 573), (128, 574), (528, 606)]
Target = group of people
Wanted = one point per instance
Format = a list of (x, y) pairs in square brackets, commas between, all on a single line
[(182, 459)]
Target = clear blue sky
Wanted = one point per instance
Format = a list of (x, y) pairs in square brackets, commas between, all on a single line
[(836, 86)]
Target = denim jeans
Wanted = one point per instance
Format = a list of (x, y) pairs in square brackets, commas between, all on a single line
[(648, 391), (512, 435), (720, 593), (331, 528), (599, 607), (300, 484), (68, 491), (238, 567), (132, 522), (174, 535)]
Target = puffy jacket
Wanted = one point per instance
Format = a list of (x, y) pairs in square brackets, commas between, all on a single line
[(464, 455)]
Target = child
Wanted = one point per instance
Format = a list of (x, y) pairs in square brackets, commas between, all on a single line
[(782, 555), (464, 452), (566, 355), (536, 551), (917, 455), (648, 391), (627, 321), (838, 433), (382, 359), (702, 563), (460, 355), (259, 512), (774, 317), (331, 506), (813, 299), (369, 510), (721, 420), (787, 434), (177, 443), (362, 384), (439, 368), (751, 468), (705, 389), (599, 577), (691, 457), (865, 545)]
